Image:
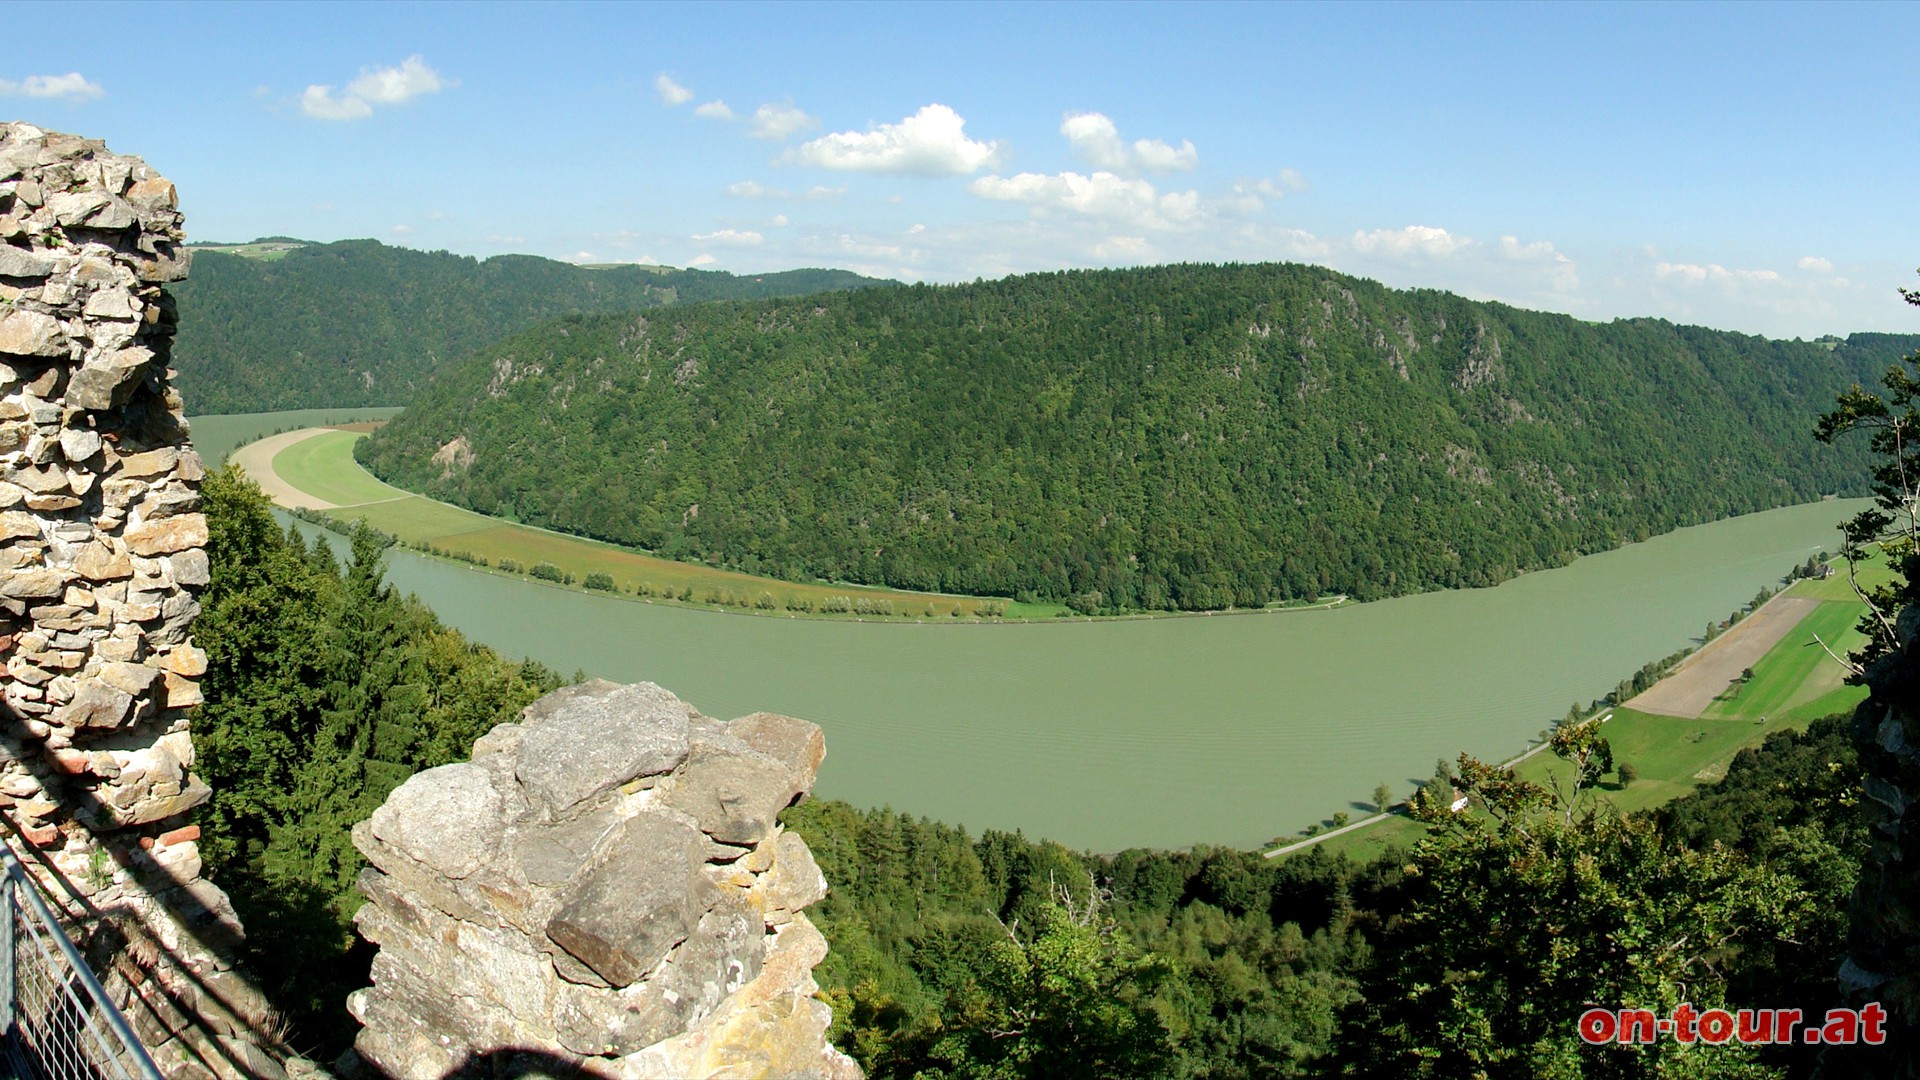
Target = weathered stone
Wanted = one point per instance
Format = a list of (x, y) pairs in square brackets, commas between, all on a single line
[(43, 582), (190, 567), (105, 380), (596, 742), (167, 535), (449, 818), (134, 679), (734, 792), (17, 263), (643, 900), (149, 464), (182, 692), (95, 705), (98, 561), (79, 445), (31, 333), (796, 742), (15, 524)]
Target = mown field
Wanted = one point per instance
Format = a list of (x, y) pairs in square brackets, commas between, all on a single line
[(323, 466), (1795, 683)]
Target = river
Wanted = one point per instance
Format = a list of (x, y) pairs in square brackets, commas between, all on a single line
[(1166, 732)]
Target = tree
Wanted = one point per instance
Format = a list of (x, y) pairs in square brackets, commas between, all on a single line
[(1382, 797), (1517, 920), (1627, 773)]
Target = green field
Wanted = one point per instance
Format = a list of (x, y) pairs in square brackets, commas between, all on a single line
[(1795, 683), (323, 466), (314, 466), (219, 435)]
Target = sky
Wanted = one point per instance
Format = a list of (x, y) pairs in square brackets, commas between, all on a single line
[(1749, 167)]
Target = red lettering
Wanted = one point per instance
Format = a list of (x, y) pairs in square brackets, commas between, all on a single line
[(1684, 1019), (1597, 1025), (1871, 1017), (1638, 1025), (1784, 1021), (1842, 1027), (1716, 1026), (1755, 1025)]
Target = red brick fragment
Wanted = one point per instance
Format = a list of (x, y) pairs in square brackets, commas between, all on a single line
[(180, 835), (41, 835)]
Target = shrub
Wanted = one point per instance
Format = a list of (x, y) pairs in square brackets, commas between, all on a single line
[(546, 571), (602, 582)]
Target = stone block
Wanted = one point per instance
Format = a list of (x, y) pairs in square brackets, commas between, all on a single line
[(593, 742), (647, 896)]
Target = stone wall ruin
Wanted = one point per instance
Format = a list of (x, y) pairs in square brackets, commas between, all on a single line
[(603, 890), (102, 549)]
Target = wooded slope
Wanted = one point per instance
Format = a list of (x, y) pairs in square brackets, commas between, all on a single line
[(360, 323), (1173, 437)]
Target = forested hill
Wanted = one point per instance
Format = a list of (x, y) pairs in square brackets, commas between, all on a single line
[(1172, 437), (361, 323)]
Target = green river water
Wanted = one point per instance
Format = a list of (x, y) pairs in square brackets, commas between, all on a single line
[(1228, 729), (1167, 732)]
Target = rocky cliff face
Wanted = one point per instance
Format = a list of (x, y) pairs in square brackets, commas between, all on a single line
[(603, 888), (102, 548)]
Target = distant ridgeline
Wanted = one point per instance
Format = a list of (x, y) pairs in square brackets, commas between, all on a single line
[(359, 323), (1175, 437)]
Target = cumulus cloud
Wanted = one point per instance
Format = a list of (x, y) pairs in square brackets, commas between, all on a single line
[(1816, 264), (671, 93), (375, 86), (779, 221), (1560, 268), (732, 237), (1098, 140), (779, 121), (1102, 195), (931, 142), (822, 191), (72, 86), (754, 189), (1412, 240), (1694, 273), (713, 110), (702, 259), (403, 230)]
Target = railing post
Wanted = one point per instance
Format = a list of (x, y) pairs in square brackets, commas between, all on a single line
[(9, 900)]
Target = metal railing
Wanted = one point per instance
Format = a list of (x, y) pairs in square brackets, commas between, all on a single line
[(60, 1024)]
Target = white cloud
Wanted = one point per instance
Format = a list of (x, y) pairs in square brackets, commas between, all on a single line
[(733, 237), (375, 86), (822, 191), (498, 238), (931, 142), (753, 189), (1694, 273), (713, 110), (72, 86), (1101, 195), (1816, 264), (779, 221), (403, 230), (1098, 140), (702, 260), (779, 121), (578, 257), (1560, 268), (671, 93), (1412, 240), (1122, 247)]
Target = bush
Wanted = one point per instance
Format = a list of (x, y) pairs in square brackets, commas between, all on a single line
[(602, 582), (512, 566), (1628, 773), (546, 571)]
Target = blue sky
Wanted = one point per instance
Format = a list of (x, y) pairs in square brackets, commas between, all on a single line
[(1749, 167)]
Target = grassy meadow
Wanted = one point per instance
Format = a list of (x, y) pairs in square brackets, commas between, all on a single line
[(1795, 683)]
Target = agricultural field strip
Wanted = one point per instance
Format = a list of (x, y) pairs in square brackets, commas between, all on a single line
[(1782, 663), (1692, 687), (256, 460)]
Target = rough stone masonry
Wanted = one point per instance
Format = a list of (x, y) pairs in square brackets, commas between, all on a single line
[(102, 548), (602, 890)]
